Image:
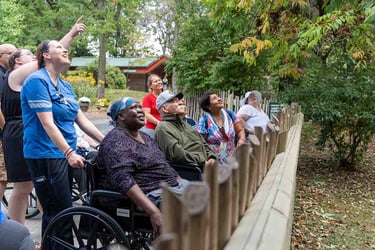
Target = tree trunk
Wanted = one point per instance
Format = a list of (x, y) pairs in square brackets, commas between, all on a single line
[(101, 68), (102, 58)]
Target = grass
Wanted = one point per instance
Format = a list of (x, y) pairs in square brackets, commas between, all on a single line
[(114, 94), (334, 209)]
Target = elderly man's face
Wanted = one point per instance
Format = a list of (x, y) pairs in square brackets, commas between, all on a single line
[(5, 52), (171, 107), (182, 109)]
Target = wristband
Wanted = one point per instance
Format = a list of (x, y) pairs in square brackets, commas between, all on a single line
[(69, 154), (66, 151)]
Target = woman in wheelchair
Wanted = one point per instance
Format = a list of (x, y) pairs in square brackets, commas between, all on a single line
[(133, 163)]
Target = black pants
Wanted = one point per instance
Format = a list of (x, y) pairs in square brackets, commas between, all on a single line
[(52, 179)]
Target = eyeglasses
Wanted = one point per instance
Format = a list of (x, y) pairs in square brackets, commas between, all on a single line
[(63, 99), (5, 53)]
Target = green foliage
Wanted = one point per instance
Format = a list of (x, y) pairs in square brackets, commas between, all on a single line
[(12, 22), (202, 58), (341, 98), (83, 83), (114, 78)]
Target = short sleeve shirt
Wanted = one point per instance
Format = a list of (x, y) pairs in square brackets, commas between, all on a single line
[(39, 94), (149, 101), (256, 118), (222, 144)]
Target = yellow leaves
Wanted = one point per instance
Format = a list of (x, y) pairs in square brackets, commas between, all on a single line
[(299, 3), (102, 102), (359, 55), (83, 77), (251, 47), (290, 70), (101, 82), (246, 4)]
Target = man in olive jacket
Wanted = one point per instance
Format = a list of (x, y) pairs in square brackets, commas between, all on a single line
[(179, 141)]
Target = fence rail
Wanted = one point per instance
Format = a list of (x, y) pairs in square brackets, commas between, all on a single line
[(245, 204)]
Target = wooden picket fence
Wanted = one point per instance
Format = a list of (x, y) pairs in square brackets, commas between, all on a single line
[(208, 212)]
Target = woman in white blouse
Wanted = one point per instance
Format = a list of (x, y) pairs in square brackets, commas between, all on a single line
[(251, 112)]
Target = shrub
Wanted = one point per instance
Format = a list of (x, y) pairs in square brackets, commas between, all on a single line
[(83, 83), (340, 97), (114, 78)]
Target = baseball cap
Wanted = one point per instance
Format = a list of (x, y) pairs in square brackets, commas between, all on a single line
[(167, 96)]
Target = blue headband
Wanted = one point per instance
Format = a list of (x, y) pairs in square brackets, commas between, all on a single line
[(118, 106)]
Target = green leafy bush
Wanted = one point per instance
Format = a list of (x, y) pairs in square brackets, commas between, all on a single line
[(341, 98), (114, 78), (83, 83)]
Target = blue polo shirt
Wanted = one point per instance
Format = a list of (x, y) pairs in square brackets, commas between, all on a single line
[(2, 216), (39, 94)]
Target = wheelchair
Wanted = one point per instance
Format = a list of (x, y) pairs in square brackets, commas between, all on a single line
[(108, 219)]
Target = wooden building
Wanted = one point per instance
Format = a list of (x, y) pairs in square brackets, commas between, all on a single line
[(135, 69)]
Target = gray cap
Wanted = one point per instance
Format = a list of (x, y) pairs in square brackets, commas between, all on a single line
[(167, 96)]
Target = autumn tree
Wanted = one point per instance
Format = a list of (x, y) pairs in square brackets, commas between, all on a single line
[(111, 27)]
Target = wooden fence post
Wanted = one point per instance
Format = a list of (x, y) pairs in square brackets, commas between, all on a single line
[(283, 134), (211, 177), (253, 167), (166, 242), (196, 198), (259, 153), (243, 157), (225, 208), (235, 192), (175, 217), (273, 131)]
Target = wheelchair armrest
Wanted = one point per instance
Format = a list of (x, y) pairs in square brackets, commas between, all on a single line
[(188, 171), (91, 157), (108, 194), (107, 199)]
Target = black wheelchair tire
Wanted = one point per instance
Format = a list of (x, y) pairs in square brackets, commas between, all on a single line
[(110, 229), (31, 211)]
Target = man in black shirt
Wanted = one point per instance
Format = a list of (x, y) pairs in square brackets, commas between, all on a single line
[(5, 51)]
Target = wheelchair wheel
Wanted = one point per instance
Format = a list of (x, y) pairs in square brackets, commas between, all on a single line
[(91, 228), (32, 208)]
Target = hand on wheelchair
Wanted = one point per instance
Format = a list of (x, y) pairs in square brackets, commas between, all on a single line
[(75, 160), (156, 221)]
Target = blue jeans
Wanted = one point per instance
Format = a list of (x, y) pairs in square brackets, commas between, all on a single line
[(156, 195), (52, 180)]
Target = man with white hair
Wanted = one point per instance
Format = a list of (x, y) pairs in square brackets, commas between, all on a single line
[(179, 141)]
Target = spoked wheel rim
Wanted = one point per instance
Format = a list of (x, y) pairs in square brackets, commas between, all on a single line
[(91, 228), (32, 208)]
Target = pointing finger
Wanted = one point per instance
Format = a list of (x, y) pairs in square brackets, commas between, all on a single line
[(79, 19)]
